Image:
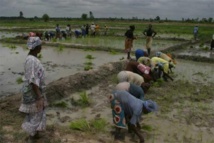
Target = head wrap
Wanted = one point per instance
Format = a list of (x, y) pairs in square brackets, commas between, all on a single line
[(33, 42), (158, 54), (150, 105)]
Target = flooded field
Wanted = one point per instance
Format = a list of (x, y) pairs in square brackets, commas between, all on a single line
[(57, 64), (185, 105)]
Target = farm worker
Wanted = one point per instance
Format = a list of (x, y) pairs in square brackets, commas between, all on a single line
[(58, 32), (162, 62), (166, 57), (129, 40), (68, 30), (93, 29), (138, 68), (212, 43), (150, 34), (32, 34), (145, 60), (140, 53), (105, 30), (134, 78), (127, 110), (195, 32), (132, 88), (33, 100)]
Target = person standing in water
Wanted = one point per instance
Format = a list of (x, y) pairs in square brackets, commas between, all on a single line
[(150, 34)]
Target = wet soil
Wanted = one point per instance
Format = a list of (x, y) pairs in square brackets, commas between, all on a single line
[(185, 106)]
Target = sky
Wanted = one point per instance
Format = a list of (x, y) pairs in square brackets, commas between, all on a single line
[(170, 9)]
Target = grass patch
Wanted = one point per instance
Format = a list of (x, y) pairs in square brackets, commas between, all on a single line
[(60, 48), (89, 57), (61, 104), (89, 63), (158, 83), (88, 67), (147, 128), (81, 125), (95, 125), (84, 99), (19, 80), (12, 47), (113, 52)]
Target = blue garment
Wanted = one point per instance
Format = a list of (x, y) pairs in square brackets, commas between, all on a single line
[(136, 91), (139, 53), (131, 105)]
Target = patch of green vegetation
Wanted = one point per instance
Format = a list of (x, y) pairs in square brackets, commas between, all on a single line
[(89, 63), (89, 49), (60, 48), (89, 57), (95, 125), (81, 125), (12, 47), (88, 67), (114, 78), (19, 80), (158, 83), (54, 40), (147, 128), (98, 124), (113, 52), (61, 104), (84, 99)]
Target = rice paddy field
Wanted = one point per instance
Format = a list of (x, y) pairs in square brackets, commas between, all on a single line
[(81, 73)]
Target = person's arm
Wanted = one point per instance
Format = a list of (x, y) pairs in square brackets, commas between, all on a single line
[(154, 33), (39, 98), (144, 32)]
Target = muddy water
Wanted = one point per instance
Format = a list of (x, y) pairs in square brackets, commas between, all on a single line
[(57, 64)]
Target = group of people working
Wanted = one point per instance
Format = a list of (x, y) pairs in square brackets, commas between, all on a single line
[(128, 100)]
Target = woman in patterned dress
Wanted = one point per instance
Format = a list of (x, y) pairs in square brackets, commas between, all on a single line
[(33, 100)]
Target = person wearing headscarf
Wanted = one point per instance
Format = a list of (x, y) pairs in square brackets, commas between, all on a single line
[(33, 100), (127, 111), (132, 88), (129, 34), (140, 53), (150, 34), (134, 78)]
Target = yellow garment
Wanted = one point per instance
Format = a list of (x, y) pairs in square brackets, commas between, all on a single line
[(156, 60), (144, 60), (148, 42)]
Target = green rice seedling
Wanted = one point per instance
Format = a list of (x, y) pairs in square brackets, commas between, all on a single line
[(84, 99), (158, 83), (12, 47), (89, 63), (19, 80), (113, 52), (17, 52), (114, 78), (147, 128), (201, 45), (89, 49), (88, 67), (98, 124), (60, 48), (80, 124), (89, 57), (61, 104)]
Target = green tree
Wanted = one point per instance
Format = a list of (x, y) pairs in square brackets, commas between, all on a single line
[(21, 14), (84, 16), (45, 17), (91, 15), (157, 18)]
